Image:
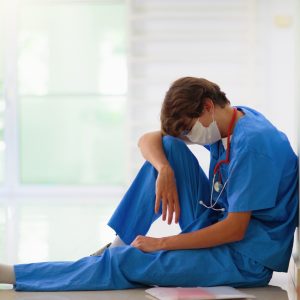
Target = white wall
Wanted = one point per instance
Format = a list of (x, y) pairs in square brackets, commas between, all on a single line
[(247, 47), (297, 96), (280, 102)]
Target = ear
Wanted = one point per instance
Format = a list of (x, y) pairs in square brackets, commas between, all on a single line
[(208, 105)]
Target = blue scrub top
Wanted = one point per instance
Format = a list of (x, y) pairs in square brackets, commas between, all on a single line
[(263, 178)]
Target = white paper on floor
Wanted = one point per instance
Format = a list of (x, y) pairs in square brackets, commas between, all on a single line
[(178, 293)]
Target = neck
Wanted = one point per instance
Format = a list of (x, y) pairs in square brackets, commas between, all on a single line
[(223, 118)]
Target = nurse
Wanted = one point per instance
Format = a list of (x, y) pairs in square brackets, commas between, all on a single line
[(237, 225)]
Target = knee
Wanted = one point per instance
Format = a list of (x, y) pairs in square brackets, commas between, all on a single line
[(170, 143)]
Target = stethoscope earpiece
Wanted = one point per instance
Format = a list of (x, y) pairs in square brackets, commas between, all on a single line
[(212, 206)]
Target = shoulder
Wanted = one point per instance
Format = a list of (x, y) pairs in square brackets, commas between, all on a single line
[(255, 133)]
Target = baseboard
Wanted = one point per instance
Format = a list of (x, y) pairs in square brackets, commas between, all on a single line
[(294, 270)]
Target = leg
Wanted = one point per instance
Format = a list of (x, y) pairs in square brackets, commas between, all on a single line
[(215, 266), (136, 209), (127, 267)]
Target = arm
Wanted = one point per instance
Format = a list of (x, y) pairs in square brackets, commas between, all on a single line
[(231, 229), (151, 147)]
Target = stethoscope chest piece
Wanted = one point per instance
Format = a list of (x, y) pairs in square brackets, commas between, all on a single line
[(218, 186)]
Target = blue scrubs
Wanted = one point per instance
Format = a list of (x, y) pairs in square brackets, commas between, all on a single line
[(262, 178)]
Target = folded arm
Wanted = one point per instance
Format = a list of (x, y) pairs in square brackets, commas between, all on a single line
[(151, 148)]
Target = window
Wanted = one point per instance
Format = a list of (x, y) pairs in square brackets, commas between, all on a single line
[(72, 88)]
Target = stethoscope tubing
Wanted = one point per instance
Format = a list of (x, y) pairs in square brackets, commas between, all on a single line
[(217, 169)]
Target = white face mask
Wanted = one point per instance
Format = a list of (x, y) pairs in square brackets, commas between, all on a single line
[(204, 135)]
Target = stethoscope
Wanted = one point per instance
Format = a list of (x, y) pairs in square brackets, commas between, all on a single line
[(217, 185)]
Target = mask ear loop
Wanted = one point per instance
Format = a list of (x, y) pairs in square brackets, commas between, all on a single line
[(213, 113)]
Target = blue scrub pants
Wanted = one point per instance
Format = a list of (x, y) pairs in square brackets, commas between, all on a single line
[(127, 267)]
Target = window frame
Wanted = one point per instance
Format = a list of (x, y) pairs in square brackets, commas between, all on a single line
[(12, 188)]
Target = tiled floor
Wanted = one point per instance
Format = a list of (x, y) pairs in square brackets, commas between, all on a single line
[(280, 288)]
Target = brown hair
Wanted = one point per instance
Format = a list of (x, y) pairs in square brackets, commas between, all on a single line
[(185, 100)]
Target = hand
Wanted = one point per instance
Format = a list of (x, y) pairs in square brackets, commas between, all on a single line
[(147, 244), (166, 192)]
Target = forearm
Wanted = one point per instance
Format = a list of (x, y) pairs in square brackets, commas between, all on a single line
[(214, 235), (151, 148)]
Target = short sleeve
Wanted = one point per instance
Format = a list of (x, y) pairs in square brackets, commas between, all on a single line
[(253, 182)]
